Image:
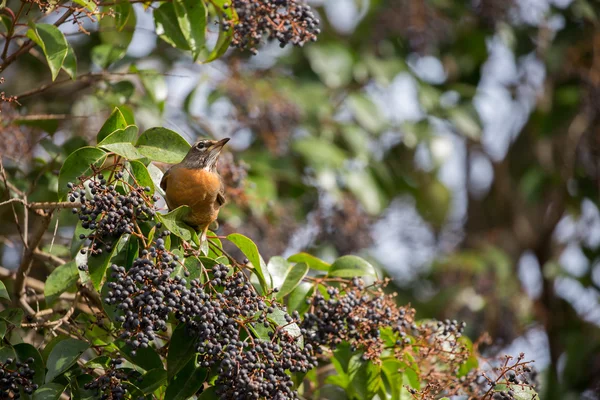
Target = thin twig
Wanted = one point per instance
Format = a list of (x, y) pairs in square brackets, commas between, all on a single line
[(53, 205), (47, 257), (27, 261)]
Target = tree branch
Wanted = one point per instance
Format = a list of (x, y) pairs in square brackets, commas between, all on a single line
[(26, 262)]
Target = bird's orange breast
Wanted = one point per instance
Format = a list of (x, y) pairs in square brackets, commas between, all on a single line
[(196, 188)]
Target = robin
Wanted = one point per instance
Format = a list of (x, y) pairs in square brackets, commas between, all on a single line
[(195, 183)]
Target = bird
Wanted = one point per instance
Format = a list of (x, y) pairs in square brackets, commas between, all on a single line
[(195, 183)]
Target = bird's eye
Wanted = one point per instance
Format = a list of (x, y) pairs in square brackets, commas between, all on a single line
[(200, 145)]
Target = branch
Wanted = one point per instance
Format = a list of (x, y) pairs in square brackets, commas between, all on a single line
[(27, 260), (53, 205), (49, 258)]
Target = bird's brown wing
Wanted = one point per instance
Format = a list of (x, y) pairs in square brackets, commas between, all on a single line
[(221, 195), (163, 181)]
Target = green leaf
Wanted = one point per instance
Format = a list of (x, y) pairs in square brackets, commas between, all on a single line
[(144, 358), (191, 17), (25, 351), (181, 350), (250, 250), (49, 391), (70, 63), (187, 382), (332, 62), (278, 268), (297, 299), (78, 164), (194, 266), (3, 291), (104, 55), (167, 28), (60, 280), (152, 380), (142, 176), (13, 316), (155, 85), (98, 264), (3, 329), (366, 113), (63, 355), (54, 46), (225, 35), (365, 377), (124, 135), (161, 144), (293, 279), (173, 222), (310, 260), (391, 370), (115, 121), (351, 266), (209, 394), (118, 31), (126, 150)]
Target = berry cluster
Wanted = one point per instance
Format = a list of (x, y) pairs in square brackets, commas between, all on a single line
[(356, 314), (110, 211), (288, 21), (146, 294), (219, 313), (111, 383), (257, 370), (18, 377)]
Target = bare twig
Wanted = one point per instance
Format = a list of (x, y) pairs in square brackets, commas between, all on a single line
[(49, 258), (26, 262), (53, 205)]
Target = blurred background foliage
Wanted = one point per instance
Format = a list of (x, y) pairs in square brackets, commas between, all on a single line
[(454, 144)]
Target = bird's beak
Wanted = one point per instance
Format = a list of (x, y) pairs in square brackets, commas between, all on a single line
[(214, 151), (219, 145)]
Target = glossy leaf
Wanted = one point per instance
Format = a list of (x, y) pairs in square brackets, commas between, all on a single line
[(365, 377), (293, 279), (181, 351), (152, 380), (54, 46), (98, 264), (13, 316), (78, 164), (142, 176), (60, 280), (187, 382), (351, 266), (63, 355), (167, 28), (3, 291), (191, 17), (248, 247), (25, 351), (115, 121), (121, 135), (118, 30), (173, 221), (310, 260), (49, 391), (225, 35), (161, 144)]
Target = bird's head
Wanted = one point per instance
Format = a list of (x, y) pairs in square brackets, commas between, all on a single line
[(204, 154)]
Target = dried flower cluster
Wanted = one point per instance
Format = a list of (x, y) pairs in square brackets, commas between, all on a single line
[(288, 21)]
